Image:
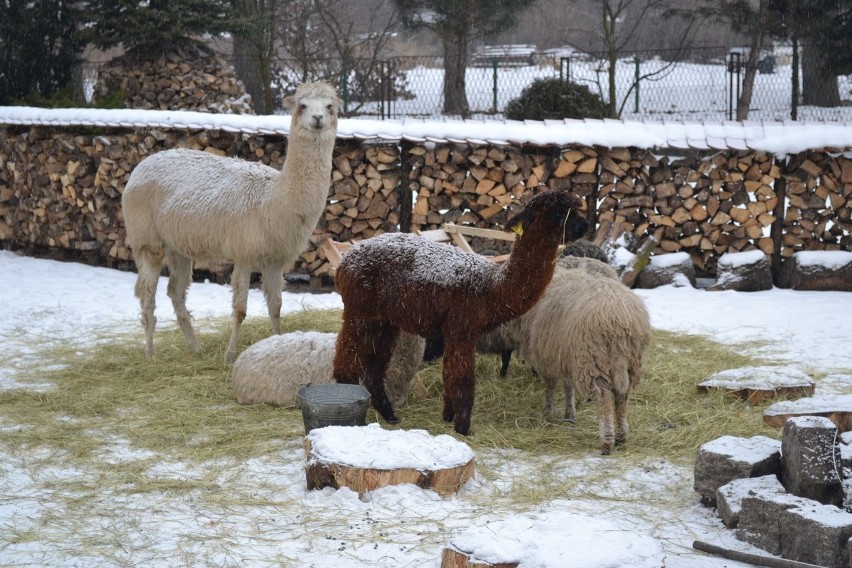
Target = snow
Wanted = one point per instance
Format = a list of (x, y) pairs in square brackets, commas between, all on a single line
[(762, 378), (830, 259), (777, 138), (745, 450), (811, 405), (374, 447), (669, 259), (48, 302), (737, 259)]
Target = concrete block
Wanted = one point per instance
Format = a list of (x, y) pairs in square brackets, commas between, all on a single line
[(760, 519), (816, 534), (724, 459), (729, 497), (810, 459)]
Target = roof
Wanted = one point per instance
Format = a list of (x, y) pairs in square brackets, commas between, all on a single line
[(779, 138)]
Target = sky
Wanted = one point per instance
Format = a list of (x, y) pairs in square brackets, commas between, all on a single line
[(651, 505)]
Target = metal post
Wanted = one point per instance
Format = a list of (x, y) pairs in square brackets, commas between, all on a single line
[(494, 86), (734, 65), (564, 68), (344, 79), (636, 80)]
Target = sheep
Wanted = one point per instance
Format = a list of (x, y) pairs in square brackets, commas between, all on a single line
[(588, 264), (183, 205), (590, 331), (403, 282), (272, 370)]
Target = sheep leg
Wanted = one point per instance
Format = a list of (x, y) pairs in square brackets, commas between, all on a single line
[(240, 279), (360, 355), (549, 391), (606, 418), (459, 383), (148, 265), (621, 418), (570, 399), (505, 359), (272, 281), (180, 277)]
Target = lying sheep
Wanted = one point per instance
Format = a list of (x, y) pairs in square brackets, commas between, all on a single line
[(273, 370), (590, 332)]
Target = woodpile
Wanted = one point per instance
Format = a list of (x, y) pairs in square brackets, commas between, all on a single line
[(60, 193), (184, 79)]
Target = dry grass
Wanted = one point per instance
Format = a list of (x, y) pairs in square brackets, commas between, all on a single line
[(181, 404)]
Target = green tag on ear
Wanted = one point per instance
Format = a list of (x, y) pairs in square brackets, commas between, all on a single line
[(518, 228)]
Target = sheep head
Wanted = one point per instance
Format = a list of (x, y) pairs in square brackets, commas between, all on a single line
[(555, 208), (314, 108)]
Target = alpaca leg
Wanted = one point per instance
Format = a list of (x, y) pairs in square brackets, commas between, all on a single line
[(272, 281), (606, 418), (621, 418), (180, 277), (356, 359), (381, 349), (240, 278), (148, 265), (459, 383)]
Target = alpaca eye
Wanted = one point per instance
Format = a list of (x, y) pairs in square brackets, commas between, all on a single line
[(303, 106), (330, 107)]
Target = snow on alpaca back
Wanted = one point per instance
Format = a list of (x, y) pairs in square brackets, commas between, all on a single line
[(420, 260)]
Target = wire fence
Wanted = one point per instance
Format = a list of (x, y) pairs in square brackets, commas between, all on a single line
[(689, 84)]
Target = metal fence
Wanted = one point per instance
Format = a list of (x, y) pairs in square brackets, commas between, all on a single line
[(695, 84)]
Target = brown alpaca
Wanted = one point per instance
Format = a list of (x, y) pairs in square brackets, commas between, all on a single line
[(400, 281)]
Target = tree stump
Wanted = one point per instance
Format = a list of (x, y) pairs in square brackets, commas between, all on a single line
[(838, 409), (756, 385), (451, 558), (364, 458)]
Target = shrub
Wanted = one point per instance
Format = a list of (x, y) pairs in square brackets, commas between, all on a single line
[(555, 98)]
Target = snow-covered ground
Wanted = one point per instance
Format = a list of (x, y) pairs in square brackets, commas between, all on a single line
[(283, 524)]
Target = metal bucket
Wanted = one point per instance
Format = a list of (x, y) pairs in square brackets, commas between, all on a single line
[(334, 404)]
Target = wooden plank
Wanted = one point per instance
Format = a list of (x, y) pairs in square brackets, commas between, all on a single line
[(479, 232), (461, 242)]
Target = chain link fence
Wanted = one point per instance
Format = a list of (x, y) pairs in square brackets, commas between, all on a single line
[(695, 84), (689, 84)]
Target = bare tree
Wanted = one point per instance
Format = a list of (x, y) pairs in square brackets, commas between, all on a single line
[(457, 23), (254, 50)]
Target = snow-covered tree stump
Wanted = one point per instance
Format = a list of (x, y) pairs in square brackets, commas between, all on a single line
[(838, 409), (364, 458), (756, 385), (551, 539)]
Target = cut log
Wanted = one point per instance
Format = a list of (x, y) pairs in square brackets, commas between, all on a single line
[(365, 458), (838, 409), (454, 559), (756, 385)]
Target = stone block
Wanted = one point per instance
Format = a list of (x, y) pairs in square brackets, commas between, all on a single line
[(816, 534), (724, 459), (760, 519), (810, 459), (729, 497)]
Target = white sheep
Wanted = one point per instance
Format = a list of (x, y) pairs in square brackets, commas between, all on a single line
[(271, 371), (183, 205), (590, 332)]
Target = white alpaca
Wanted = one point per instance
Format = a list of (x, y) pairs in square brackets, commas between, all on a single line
[(184, 205)]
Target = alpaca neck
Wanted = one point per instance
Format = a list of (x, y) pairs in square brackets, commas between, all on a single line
[(307, 165), (528, 271)]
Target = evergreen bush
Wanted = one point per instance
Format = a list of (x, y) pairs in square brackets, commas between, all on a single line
[(556, 99)]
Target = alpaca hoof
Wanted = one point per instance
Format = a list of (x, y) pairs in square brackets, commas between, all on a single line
[(230, 357), (606, 449), (392, 419)]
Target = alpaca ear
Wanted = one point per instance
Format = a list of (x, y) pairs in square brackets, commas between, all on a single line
[(289, 102)]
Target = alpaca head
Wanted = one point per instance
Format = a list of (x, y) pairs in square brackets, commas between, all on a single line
[(552, 210), (314, 108)]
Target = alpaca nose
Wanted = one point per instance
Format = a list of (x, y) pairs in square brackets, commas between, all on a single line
[(317, 120)]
